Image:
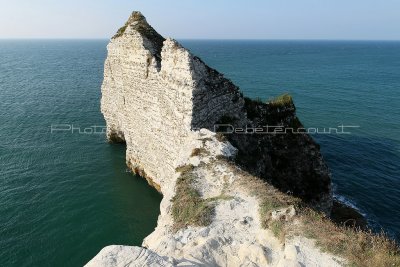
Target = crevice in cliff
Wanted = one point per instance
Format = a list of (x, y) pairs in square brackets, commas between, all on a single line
[(115, 136)]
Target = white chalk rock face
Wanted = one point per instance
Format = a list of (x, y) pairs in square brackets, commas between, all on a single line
[(151, 93), (163, 102), (124, 256)]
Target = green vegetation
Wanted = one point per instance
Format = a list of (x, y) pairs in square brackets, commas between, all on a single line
[(274, 111), (270, 198), (188, 207), (269, 205), (281, 101), (277, 228), (121, 31), (360, 248), (220, 197)]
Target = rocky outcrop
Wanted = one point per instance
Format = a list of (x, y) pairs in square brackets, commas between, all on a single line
[(172, 95), (167, 105), (177, 93), (284, 156)]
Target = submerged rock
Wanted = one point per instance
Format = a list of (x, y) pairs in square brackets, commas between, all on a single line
[(347, 216)]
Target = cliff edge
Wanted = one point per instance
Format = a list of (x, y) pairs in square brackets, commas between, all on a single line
[(230, 197)]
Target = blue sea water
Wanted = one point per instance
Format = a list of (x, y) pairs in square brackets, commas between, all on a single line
[(64, 196)]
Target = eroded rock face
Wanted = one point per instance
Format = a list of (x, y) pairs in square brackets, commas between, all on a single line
[(155, 92), (164, 103), (154, 103), (292, 162)]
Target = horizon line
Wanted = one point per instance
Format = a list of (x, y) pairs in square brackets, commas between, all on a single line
[(200, 39)]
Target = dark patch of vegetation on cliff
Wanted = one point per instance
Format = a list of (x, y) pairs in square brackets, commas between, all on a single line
[(275, 112), (120, 31)]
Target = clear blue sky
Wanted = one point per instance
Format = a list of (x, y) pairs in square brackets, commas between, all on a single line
[(215, 19)]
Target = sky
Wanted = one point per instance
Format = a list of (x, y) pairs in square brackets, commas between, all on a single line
[(205, 19)]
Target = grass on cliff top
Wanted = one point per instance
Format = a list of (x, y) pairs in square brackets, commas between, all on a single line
[(121, 31), (188, 207), (281, 101), (269, 197), (359, 248)]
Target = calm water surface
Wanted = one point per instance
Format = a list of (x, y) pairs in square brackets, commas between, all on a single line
[(63, 196)]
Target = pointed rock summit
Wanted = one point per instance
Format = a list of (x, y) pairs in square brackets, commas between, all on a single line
[(137, 23), (136, 16)]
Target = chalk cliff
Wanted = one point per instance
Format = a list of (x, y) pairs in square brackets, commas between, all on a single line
[(224, 195)]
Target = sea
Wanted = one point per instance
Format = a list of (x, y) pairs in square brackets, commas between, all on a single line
[(65, 192)]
